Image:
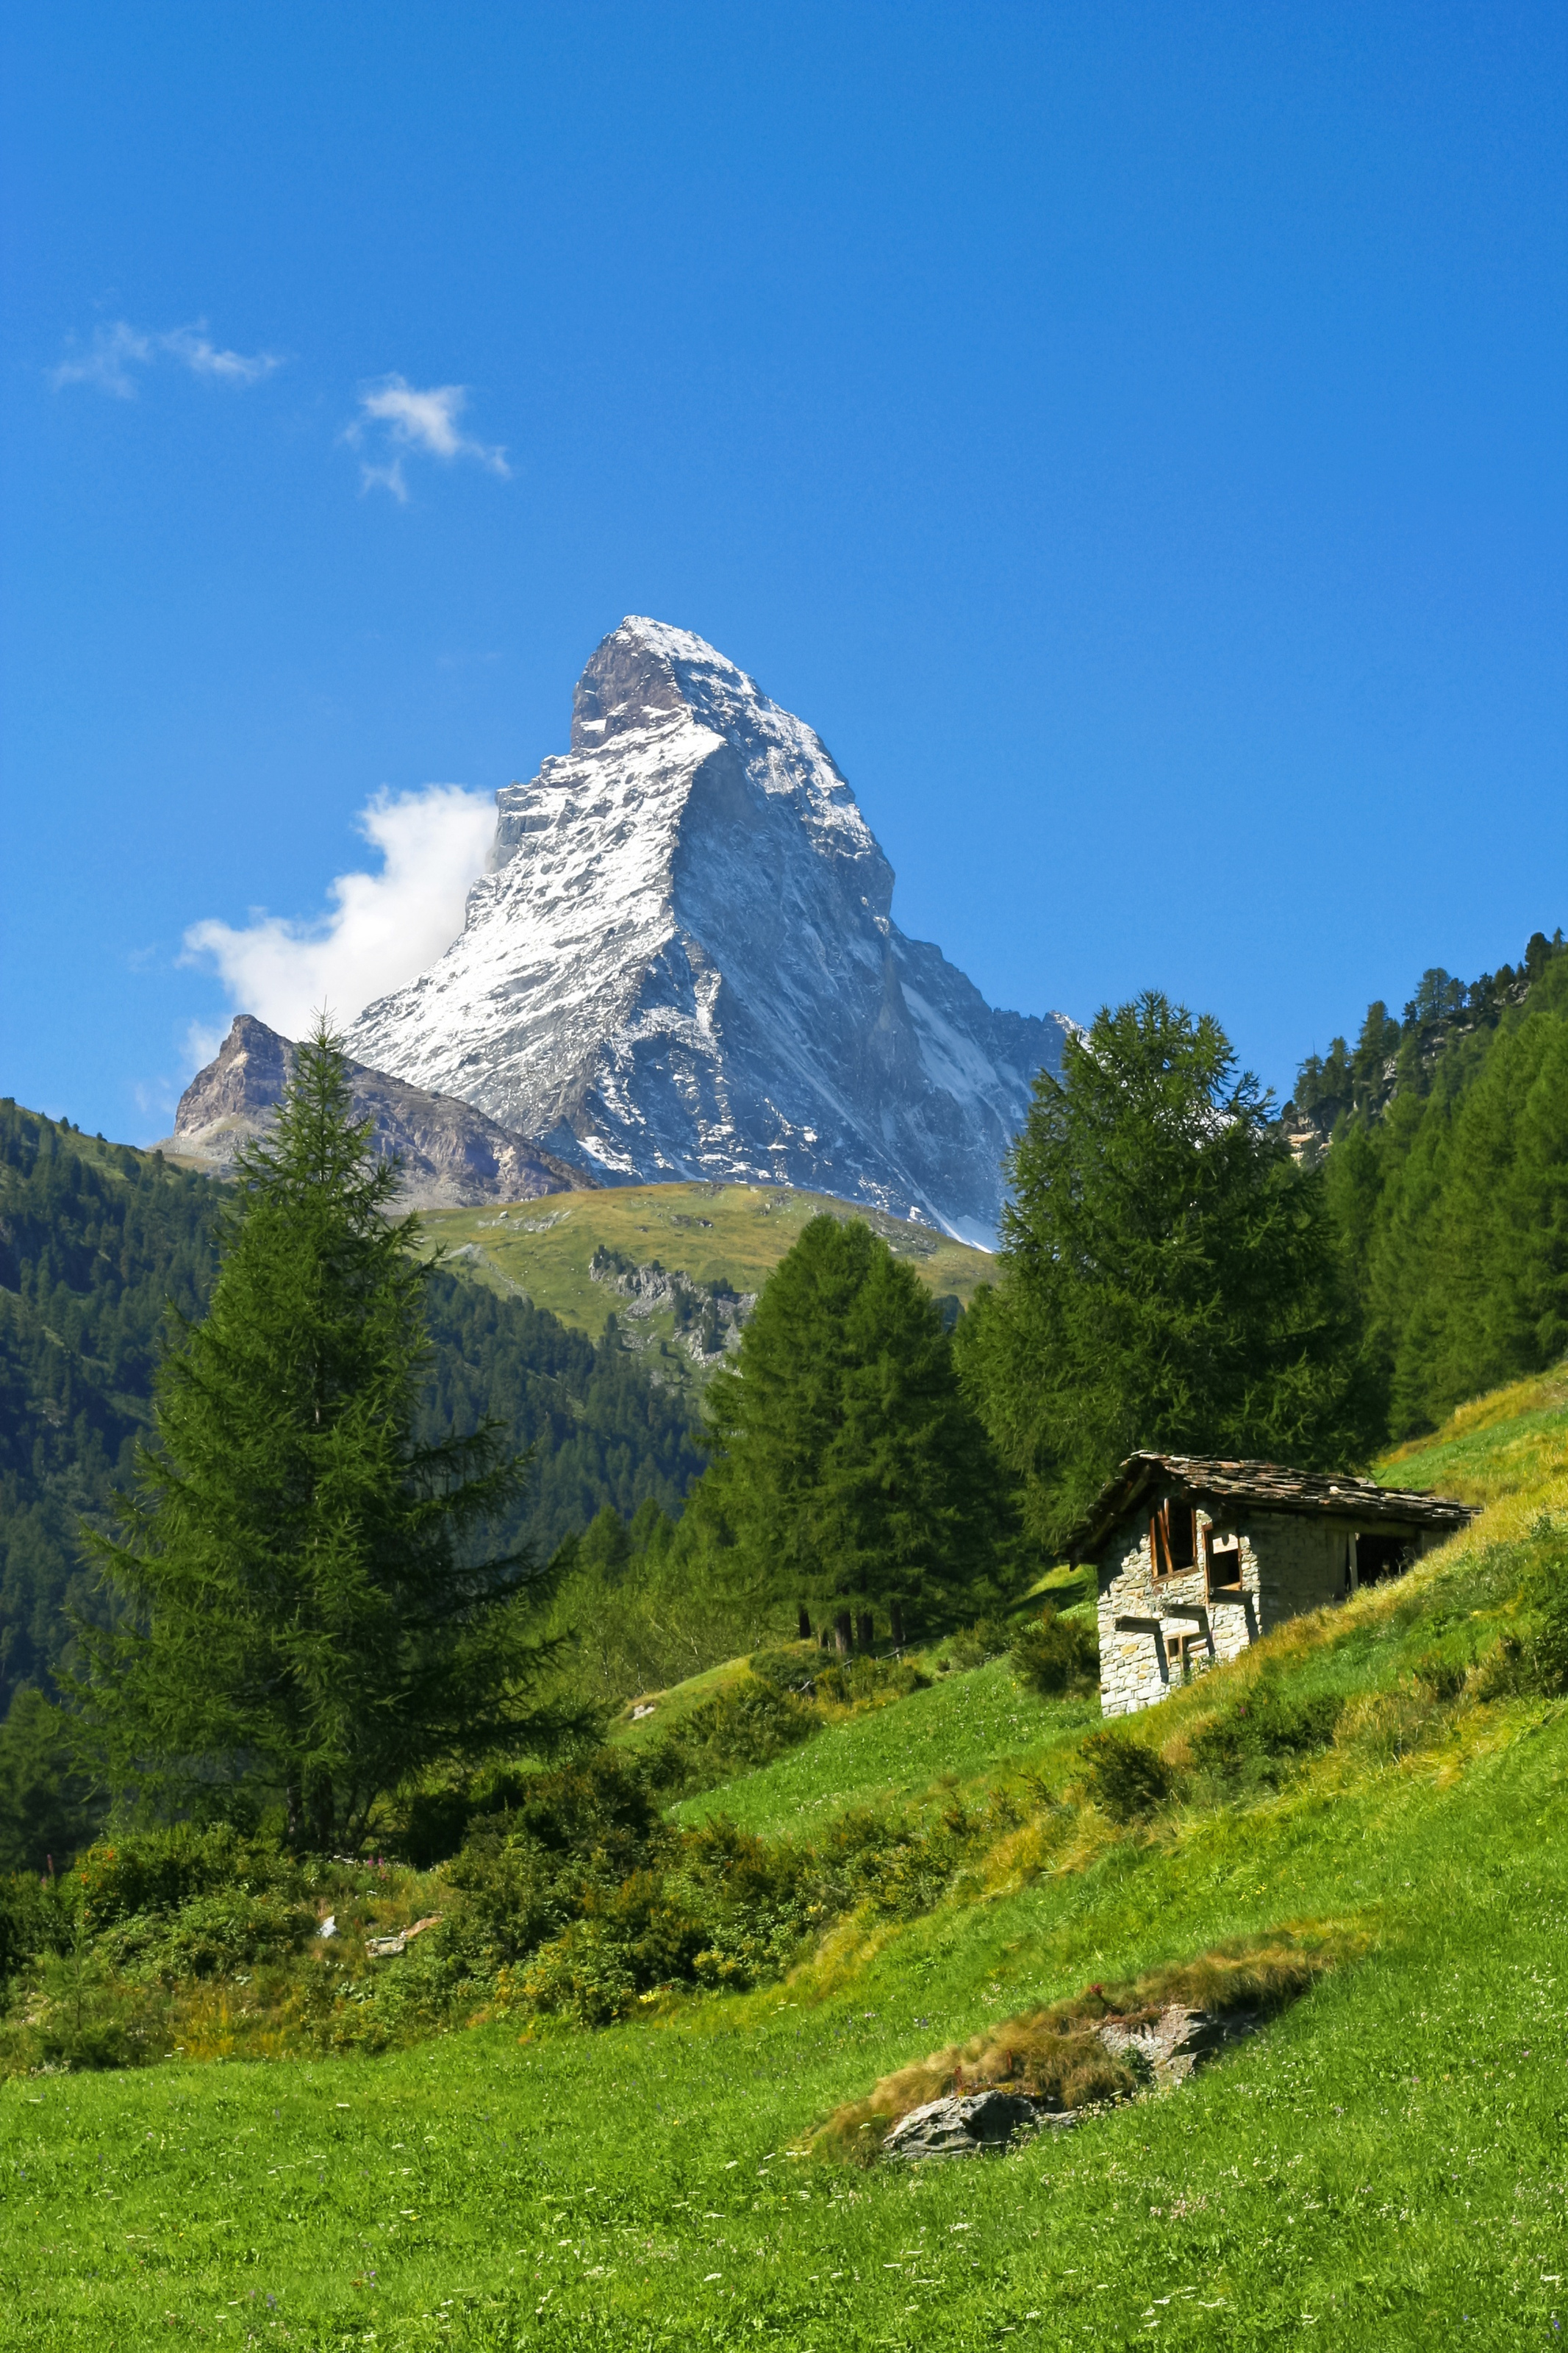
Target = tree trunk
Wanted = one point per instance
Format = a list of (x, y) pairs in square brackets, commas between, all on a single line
[(867, 1631), (897, 1614), (805, 1623), (843, 1633)]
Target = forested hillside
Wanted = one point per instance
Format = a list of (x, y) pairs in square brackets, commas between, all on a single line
[(1445, 1141), (96, 1240)]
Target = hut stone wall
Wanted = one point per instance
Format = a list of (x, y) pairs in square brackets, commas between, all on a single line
[(1290, 1562)]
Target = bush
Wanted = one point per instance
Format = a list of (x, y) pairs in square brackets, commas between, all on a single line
[(1535, 1570), (1444, 1677), (159, 1870), (1125, 1778), (1054, 1655), (736, 1730), (869, 1683), (1264, 1732), (986, 1639), (791, 1669), (208, 1937), (630, 1941)]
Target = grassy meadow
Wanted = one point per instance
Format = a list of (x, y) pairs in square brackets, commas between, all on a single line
[(1382, 2166), (720, 1234)]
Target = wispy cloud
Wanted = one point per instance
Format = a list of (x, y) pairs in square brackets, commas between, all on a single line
[(383, 929), (396, 415), (118, 351)]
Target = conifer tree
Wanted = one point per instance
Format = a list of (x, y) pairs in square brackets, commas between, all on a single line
[(851, 1471), (1168, 1277), (303, 1605)]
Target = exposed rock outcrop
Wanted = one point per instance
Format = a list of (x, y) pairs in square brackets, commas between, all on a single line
[(1160, 2052), (453, 1155)]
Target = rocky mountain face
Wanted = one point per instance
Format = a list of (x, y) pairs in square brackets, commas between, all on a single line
[(453, 1155), (682, 963)]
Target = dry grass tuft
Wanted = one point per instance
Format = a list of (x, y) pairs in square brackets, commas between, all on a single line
[(1055, 2055)]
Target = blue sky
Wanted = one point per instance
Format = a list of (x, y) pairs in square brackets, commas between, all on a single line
[(1134, 437)]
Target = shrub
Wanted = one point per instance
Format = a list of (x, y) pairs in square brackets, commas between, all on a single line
[(209, 1936), (1264, 1732), (1128, 1779), (159, 1870), (734, 1732), (793, 1668), (1548, 1588), (986, 1639), (1444, 1677), (1054, 1655), (630, 1941), (865, 1684)]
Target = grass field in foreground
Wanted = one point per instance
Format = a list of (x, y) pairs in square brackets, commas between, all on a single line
[(1384, 2167), (733, 1234)]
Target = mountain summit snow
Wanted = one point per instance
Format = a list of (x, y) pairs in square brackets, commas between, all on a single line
[(682, 963)]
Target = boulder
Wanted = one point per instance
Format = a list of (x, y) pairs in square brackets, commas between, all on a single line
[(968, 2124), (1166, 2049)]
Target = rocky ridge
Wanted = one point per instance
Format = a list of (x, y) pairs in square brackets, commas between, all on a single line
[(682, 964), (708, 1317), (453, 1155)]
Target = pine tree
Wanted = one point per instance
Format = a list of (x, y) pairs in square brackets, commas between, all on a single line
[(852, 1472), (303, 1606), (1168, 1276)]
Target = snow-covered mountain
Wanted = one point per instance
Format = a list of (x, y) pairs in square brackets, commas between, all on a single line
[(682, 963)]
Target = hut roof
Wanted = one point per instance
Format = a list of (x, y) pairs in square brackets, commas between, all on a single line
[(1270, 1485)]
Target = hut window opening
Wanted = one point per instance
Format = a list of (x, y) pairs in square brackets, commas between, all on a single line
[(1173, 1538), (1186, 1655), (1222, 1560)]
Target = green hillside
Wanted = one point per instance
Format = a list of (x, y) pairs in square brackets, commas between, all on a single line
[(97, 1241), (1381, 2166), (727, 1238)]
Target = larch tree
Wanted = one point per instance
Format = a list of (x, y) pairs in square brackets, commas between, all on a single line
[(1168, 1277), (304, 1603), (851, 1469)]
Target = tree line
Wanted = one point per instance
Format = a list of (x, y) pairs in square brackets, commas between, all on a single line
[(325, 1586)]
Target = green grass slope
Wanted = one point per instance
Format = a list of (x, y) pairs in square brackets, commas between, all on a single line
[(733, 1234), (1382, 2167)]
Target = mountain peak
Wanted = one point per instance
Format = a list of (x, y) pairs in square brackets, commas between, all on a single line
[(681, 963)]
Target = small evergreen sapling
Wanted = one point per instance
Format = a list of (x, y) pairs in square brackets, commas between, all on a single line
[(303, 1606)]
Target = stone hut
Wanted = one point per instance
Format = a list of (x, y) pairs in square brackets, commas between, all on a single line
[(1197, 1559)]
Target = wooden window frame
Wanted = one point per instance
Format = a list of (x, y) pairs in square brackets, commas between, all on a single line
[(1186, 1655), (1159, 1540)]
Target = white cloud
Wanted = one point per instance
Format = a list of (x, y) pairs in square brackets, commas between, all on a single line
[(204, 358), (383, 929), (118, 349), (409, 418), (114, 352)]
